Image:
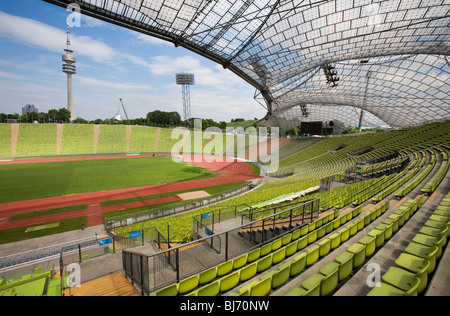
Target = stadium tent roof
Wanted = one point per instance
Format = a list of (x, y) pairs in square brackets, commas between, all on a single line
[(391, 56)]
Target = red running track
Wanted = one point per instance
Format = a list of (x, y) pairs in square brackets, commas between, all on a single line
[(230, 171)]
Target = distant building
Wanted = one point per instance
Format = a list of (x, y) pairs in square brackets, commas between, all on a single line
[(29, 108)]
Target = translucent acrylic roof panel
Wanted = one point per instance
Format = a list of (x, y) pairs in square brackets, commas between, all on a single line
[(390, 56)]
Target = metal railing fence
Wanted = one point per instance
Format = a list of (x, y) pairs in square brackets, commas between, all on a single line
[(153, 272)]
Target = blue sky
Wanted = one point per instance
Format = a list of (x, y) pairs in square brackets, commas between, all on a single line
[(112, 63)]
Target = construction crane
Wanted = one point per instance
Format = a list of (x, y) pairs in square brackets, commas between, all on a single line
[(123, 107)]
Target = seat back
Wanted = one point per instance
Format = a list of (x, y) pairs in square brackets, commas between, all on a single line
[(261, 288), (413, 290)]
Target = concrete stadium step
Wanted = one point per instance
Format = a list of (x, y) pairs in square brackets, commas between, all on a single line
[(296, 282), (386, 256), (111, 285)]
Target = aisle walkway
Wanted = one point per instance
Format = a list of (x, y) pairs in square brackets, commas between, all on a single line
[(111, 285)]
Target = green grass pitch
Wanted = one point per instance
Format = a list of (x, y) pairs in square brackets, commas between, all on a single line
[(20, 182)]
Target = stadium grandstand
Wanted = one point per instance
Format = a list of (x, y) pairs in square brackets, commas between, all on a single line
[(364, 214)]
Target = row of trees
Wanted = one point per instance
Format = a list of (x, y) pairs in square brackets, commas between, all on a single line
[(155, 118), (169, 119), (52, 116)]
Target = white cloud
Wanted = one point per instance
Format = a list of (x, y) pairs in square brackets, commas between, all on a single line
[(30, 32), (36, 34), (91, 22), (11, 76), (112, 86), (166, 65), (146, 39), (218, 93), (215, 76)]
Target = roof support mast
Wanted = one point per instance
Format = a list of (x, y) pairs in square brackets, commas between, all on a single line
[(125, 111)]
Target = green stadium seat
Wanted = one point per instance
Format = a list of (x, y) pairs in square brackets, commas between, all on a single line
[(403, 279), (335, 240), (276, 244), (279, 255), (366, 220), (424, 252), (224, 268), (379, 237), (324, 247), (230, 281), (343, 220), (373, 215), (345, 261), (298, 264), (207, 276), (359, 252), (319, 222), (296, 234), (193, 293), (280, 277), (383, 289), (360, 224), (262, 288), (286, 239), (254, 255), (377, 212), (248, 272), (442, 212), (266, 249), (430, 241), (345, 234), (437, 225), (370, 243), (302, 243), (434, 232), (400, 220), (440, 218), (329, 283), (171, 290), (387, 228), (312, 255), (312, 237), (329, 228), (298, 291), (245, 293), (392, 221), (188, 285), (321, 232), (336, 223), (313, 283), (414, 265), (239, 262), (291, 248), (212, 289), (247, 287), (353, 229), (264, 263), (304, 230)]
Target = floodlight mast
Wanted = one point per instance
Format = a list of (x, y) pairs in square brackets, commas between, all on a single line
[(186, 80)]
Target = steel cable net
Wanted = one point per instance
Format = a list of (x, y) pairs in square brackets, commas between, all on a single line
[(388, 57)]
